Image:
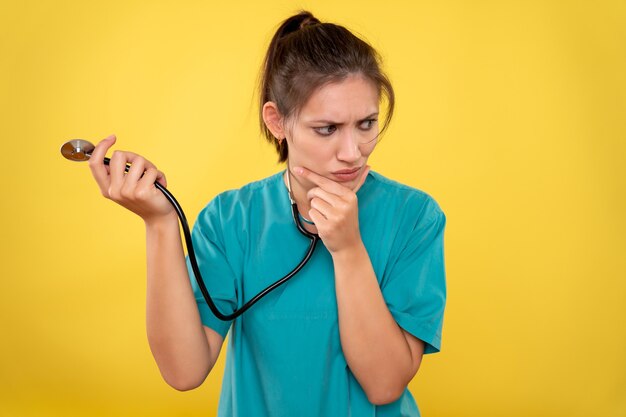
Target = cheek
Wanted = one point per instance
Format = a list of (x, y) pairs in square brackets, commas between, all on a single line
[(304, 146), (367, 149), (313, 154)]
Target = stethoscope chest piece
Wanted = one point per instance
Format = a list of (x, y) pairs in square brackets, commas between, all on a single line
[(77, 150)]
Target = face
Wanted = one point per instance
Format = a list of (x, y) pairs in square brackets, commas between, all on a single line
[(336, 130)]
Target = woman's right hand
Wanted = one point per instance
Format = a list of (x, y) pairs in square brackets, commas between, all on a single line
[(134, 190)]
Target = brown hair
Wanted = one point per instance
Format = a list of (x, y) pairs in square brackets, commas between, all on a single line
[(305, 54)]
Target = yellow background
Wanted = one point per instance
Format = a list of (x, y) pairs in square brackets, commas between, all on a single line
[(510, 113)]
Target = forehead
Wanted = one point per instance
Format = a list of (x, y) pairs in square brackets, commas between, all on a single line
[(350, 99)]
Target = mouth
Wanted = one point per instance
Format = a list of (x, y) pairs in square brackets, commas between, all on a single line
[(347, 174)]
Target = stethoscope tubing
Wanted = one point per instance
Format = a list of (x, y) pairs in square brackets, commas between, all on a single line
[(314, 238)]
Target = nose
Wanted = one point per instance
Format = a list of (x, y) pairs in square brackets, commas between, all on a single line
[(348, 147)]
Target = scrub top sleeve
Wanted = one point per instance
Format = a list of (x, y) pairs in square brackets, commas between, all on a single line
[(215, 267), (415, 289)]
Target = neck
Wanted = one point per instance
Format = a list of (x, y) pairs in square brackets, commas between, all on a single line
[(298, 194)]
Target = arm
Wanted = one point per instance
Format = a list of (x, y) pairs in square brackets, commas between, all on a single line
[(184, 351), (382, 356)]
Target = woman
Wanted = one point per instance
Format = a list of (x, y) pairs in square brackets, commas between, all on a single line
[(347, 334)]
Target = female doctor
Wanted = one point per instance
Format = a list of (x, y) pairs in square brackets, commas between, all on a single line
[(347, 334)]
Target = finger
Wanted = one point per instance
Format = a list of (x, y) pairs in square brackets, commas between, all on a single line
[(161, 179), (135, 172), (362, 179), (99, 171), (117, 168), (137, 168), (322, 207), (146, 183), (332, 199), (317, 218), (322, 182)]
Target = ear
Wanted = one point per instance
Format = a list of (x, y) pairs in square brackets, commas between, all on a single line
[(274, 120)]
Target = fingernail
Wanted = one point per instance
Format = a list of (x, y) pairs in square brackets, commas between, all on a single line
[(110, 137)]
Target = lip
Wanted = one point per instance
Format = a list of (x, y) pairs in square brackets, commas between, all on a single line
[(347, 174)]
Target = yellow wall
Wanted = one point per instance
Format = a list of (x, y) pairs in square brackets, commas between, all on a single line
[(510, 113)]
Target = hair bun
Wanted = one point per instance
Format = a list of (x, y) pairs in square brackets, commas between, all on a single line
[(297, 22), (309, 20)]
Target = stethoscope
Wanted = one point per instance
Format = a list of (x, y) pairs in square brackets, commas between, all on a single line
[(81, 150)]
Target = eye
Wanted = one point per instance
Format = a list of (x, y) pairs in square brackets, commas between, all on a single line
[(367, 124), (325, 130)]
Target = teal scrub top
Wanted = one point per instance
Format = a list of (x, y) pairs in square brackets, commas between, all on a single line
[(284, 355)]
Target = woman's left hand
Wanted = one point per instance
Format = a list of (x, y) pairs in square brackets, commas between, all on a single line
[(334, 210)]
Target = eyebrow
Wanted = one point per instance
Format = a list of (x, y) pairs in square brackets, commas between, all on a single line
[(330, 122)]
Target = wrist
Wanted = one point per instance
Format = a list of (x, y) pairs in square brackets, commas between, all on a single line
[(349, 254), (162, 223)]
